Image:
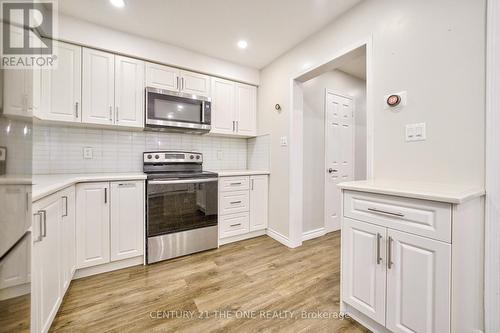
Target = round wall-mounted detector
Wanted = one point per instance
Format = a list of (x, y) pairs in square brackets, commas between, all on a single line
[(393, 100)]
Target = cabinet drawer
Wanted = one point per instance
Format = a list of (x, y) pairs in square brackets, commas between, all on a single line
[(426, 218), (234, 202), (234, 224), (234, 184)]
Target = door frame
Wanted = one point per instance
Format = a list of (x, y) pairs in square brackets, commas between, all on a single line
[(325, 117), (492, 180), (296, 132)]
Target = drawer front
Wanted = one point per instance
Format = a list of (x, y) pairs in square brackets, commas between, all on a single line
[(425, 218), (234, 224), (234, 183), (234, 202)]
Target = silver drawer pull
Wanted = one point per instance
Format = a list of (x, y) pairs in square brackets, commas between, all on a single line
[(379, 259), (235, 225), (235, 184), (389, 253), (235, 202), (375, 210)]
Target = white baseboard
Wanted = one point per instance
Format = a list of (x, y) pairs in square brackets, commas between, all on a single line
[(279, 237), (112, 266), (313, 234), (249, 235), (15, 291)]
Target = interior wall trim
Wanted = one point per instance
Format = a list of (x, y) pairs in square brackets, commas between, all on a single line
[(315, 233), (279, 237)]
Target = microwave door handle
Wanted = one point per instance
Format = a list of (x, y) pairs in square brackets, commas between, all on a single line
[(202, 112)]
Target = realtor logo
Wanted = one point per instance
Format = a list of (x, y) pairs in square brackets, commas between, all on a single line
[(23, 23)]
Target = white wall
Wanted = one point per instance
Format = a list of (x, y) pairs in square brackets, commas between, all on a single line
[(432, 49), (81, 32), (314, 139)]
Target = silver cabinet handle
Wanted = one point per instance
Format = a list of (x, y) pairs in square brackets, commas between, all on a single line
[(252, 184), (110, 113), (105, 195), (375, 210), (389, 253), (235, 225), (178, 85), (116, 114), (40, 237), (233, 125), (65, 198), (235, 184), (235, 202), (379, 236), (44, 215), (182, 83), (76, 109)]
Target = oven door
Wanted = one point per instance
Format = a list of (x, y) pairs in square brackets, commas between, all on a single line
[(181, 205), (173, 110)]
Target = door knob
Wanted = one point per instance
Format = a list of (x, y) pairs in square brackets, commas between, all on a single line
[(332, 170)]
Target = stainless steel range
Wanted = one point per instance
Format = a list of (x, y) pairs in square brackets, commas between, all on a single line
[(181, 212)]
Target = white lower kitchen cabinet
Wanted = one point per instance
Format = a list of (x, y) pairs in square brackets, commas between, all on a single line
[(68, 236), (92, 224), (46, 262), (127, 219), (407, 262), (243, 207)]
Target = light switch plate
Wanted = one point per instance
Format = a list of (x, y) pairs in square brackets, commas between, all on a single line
[(88, 153), (415, 132), (284, 141)]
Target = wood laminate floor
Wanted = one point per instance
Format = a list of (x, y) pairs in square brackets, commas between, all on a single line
[(211, 291)]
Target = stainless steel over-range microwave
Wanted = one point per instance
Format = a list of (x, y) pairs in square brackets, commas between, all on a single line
[(175, 111)]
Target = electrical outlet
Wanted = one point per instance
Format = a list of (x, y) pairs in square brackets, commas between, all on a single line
[(88, 153), (284, 141), (415, 132)]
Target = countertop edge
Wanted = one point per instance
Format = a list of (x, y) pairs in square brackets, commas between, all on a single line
[(455, 199), (231, 173), (62, 184)]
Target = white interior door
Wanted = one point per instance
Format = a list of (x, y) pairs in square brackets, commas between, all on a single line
[(339, 153)]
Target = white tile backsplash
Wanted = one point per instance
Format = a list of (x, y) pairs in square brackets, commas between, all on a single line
[(59, 149), (258, 152)]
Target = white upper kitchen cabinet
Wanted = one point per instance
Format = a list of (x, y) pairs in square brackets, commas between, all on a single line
[(92, 224), (246, 109), (258, 202), (46, 263), (162, 77), (418, 284), (223, 105), (61, 86), (129, 92), (98, 87), (194, 83), (127, 219), (363, 268), (234, 110), (21, 94)]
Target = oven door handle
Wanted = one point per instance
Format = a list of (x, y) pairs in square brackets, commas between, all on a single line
[(182, 181)]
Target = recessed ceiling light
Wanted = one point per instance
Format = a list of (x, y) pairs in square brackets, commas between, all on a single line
[(242, 44), (118, 3)]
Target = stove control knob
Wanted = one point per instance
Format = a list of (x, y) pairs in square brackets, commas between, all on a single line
[(150, 156), (157, 156), (197, 157), (191, 157)]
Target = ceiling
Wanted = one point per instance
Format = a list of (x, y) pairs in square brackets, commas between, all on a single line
[(355, 67), (213, 27)]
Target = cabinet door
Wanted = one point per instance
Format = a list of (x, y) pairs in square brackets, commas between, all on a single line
[(15, 98), (127, 219), (68, 237), (195, 83), (98, 87), (46, 260), (162, 77), (223, 121), (363, 268), (129, 92), (418, 284), (61, 86), (246, 109), (258, 202), (92, 224)]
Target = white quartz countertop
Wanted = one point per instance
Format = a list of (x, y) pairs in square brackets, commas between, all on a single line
[(44, 185), (231, 173), (450, 193)]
